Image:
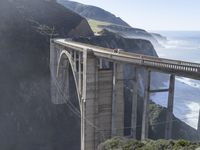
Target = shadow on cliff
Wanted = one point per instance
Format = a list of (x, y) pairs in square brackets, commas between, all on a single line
[(28, 119)]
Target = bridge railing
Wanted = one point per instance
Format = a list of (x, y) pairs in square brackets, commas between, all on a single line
[(163, 62), (159, 62), (171, 66)]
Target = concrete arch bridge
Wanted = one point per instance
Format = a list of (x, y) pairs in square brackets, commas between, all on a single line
[(100, 89)]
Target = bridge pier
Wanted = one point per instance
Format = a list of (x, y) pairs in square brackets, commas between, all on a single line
[(102, 102), (145, 117), (53, 64), (113, 100), (134, 106), (117, 100), (169, 117), (89, 98), (104, 106)]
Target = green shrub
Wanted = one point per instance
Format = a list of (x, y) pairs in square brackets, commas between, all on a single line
[(130, 144), (182, 143)]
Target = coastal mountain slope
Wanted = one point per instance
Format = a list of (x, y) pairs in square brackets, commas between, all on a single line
[(100, 19), (92, 12), (28, 119), (131, 33)]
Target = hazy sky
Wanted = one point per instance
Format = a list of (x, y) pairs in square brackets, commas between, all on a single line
[(154, 14)]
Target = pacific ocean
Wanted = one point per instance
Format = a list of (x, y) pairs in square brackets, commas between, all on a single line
[(182, 45)]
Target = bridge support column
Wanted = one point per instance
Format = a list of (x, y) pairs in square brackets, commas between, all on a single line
[(145, 117), (134, 106), (118, 101), (89, 98), (169, 121), (56, 98), (53, 64), (113, 118)]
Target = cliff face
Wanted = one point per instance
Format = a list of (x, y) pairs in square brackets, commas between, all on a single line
[(134, 33), (28, 120), (112, 40), (92, 12), (117, 25)]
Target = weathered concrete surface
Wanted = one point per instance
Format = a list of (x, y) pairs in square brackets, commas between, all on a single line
[(170, 105), (104, 104), (89, 98), (145, 117), (119, 101)]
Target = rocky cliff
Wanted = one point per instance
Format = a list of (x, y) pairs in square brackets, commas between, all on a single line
[(116, 25), (92, 12), (134, 33), (28, 120), (113, 40)]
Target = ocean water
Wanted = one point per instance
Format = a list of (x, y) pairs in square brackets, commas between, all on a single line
[(182, 45)]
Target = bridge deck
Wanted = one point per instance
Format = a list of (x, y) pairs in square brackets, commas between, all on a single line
[(169, 66)]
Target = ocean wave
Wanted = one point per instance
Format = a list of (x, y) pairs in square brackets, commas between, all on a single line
[(186, 104), (187, 91), (190, 82), (192, 116), (183, 44)]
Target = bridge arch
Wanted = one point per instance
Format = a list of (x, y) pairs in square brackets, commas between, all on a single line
[(66, 75), (66, 64)]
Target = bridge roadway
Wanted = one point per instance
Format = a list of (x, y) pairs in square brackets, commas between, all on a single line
[(169, 66)]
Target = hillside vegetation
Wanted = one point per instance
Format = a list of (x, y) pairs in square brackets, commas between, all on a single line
[(92, 12), (100, 19), (95, 25), (130, 144)]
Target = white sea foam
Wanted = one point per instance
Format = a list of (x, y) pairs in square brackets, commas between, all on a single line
[(191, 118), (190, 82), (183, 44), (186, 101), (184, 47)]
